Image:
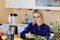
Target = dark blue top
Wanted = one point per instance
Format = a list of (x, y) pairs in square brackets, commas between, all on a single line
[(42, 30)]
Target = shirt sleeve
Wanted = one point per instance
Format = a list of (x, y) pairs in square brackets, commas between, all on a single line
[(47, 31), (27, 29)]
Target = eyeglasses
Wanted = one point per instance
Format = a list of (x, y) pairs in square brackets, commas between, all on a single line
[(36, 17)]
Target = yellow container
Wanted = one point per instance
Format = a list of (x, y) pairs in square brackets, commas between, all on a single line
[(20, 22), (18, 39)]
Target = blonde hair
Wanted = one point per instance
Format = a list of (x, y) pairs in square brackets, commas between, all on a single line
[(40, 14)]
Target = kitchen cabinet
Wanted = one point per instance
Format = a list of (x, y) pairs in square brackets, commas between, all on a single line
[(19, 3), (34, 4)]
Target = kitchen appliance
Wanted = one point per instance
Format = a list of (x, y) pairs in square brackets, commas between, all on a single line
[(12, 19), (12, 30), (1, 28)]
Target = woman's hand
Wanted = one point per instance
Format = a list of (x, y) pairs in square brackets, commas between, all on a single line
[(28, 35), (36, 39)]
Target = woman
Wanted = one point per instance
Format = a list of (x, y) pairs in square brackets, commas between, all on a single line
[(37, 27)]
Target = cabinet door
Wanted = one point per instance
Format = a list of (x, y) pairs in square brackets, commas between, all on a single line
[(19, 3)]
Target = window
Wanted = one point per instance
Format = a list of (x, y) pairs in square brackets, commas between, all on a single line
[(55, 3)]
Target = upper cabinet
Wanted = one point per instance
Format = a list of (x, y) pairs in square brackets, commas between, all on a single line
[(34, 4), (20, 3)]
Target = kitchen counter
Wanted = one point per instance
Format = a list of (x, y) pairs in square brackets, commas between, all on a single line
[(21, 27)]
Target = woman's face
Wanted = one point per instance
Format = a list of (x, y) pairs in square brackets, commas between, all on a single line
[(36, 18)]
